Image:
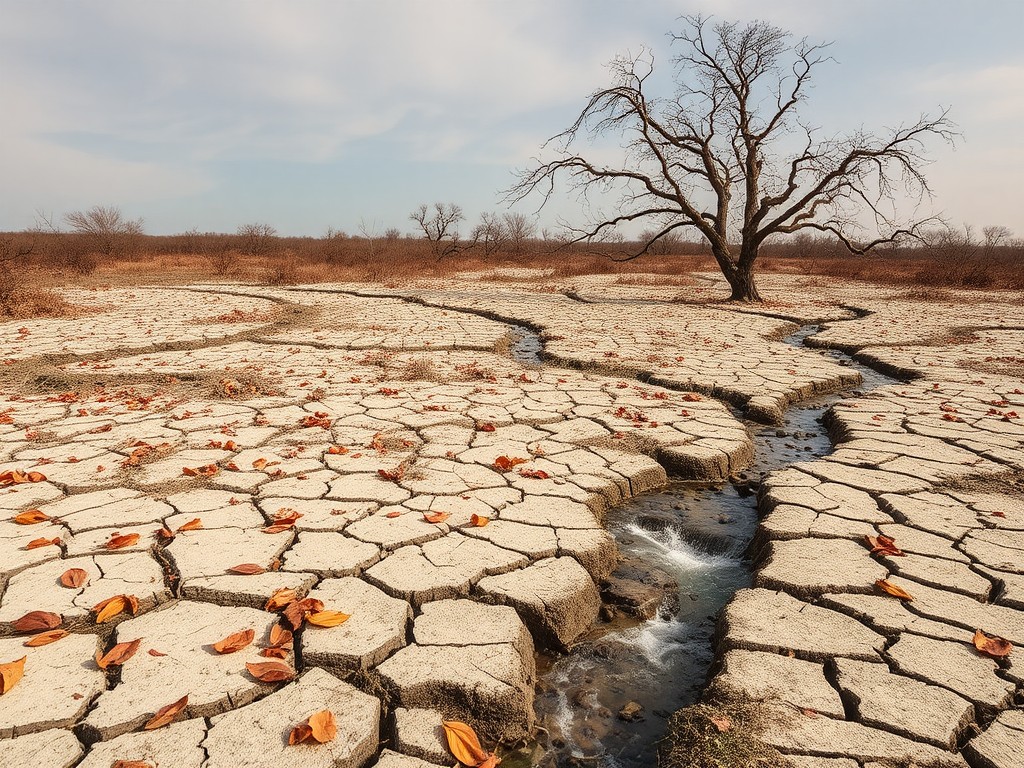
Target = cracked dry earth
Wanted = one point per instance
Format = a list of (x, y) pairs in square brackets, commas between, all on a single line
[(349, 441)]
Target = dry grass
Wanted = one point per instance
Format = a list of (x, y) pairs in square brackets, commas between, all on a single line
[(706, 736)]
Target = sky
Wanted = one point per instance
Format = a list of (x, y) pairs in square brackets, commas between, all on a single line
[(311, 114)]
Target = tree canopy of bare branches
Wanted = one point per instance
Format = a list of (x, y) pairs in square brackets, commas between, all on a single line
[(440, 226), (729, 156)]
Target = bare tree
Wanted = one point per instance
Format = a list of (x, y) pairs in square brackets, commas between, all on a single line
[(521, 228), (490, 235), (440, 226), (258, 240), (106, 230), (995, 236), (729, 156), (14, 252)]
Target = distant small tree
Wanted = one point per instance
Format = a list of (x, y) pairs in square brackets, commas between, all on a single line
[(14, 251), (106, 231), (521, 228), (440, 226), (491, 234), (257, 240), (996, 236)]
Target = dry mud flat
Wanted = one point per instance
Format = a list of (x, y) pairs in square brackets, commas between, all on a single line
[(349, 441)]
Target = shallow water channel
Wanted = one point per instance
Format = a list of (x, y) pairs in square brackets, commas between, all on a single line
[(699, 534)]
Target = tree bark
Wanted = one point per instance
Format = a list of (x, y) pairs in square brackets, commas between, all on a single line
[(741, 280)]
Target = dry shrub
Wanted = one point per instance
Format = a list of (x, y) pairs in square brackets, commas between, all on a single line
[(694, 740), (420, 369)]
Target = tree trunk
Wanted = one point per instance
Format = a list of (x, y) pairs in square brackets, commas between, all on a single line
[(741, 280)]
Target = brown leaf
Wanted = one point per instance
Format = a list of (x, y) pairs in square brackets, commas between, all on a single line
[(280, 599), (31, 517), (119, 654), (274, 652), (300, 609), (259, 463), (235, 642), (323, 726), (154, 652), (112, 606), (723, 724), (327, 618), (73, 577), (44, 542), (131, 764), (279, 527), (491, 761), (536, 474), (463, 743), (247, 569), (280, 637), (479, 521), (270, 671), (191, 525), (485, 428), (120, 542), (166, 714), (883, 545), (36, 477), (893, 590), (37, 621), (505, 463), (436, 517), (996, 647), (45, 638), (11, 673), (300, 733)]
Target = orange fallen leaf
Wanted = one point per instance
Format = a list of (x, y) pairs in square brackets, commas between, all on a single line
[(280, 599), (122, 541), (166, 714), (996, 647), (393, 514), (279, 636), (536, 474), (436, 517), (893, 590), (337, 450), (259, 463), (297, 611), (10, 674), (131, 764), (270, 671), (31, 517), (112, 606), (485, 428), (119, 654), (463, 743), (44, 542), (299, 734), (506, 463), (73, 577), (155, 652), (191, 525), (883, 545), (393, 476), (37, 621), (247, 569), (723, 724), (45, 638), (36, 477), (235, 642), (479, 521), (323, 726), (327, 618)]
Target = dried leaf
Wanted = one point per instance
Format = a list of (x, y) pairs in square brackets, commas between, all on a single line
[(297, 611), (327, 618), (485, 428), (11, 673), (436, 517), (36, 477), (247, 569), (300, 733), (479, 521), (505, 463), (120, 542), (463, 743), (883, 545), (119, 654), (893, 590), (191, 525), (131, 764), (274, 652), (235, 642), (280, 637), (154, 652), (73, 577), (280, 599), (45, 638), (259, 463), (44, 542), (112, 606), (166, 714), (491, 761), (996, 647), (323, 726), (536, 474), (723, 724), (31, 517), (37, 621), (270, 671)]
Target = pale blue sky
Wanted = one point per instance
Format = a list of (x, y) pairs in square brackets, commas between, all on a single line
[(316, 113)]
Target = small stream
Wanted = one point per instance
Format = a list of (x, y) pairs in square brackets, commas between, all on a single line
[(698, 534)]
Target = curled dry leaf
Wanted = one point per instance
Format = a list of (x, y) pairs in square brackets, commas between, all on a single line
[(327, 618), (122, 541), (270, 671), (337, 450), (883, 545), (191, 525), (436, 517), (505, 463), (73, 577), (280, 637), (491, 761), (485, 427), (247, 569), (154, 652), (119, 654), (323, 726), (112, 606), (43, 542), (297, 611), (463, 743), (131, 764), (11, 673), (37, 621), (479, 521), (166, 714), (299, 733), (45, 638), (31, 517), (259, 463), (892, 589), (235, 642), (280, 599), (536, 474), (996, 647)]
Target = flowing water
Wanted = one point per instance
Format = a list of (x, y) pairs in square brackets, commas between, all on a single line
[(697, 533)]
